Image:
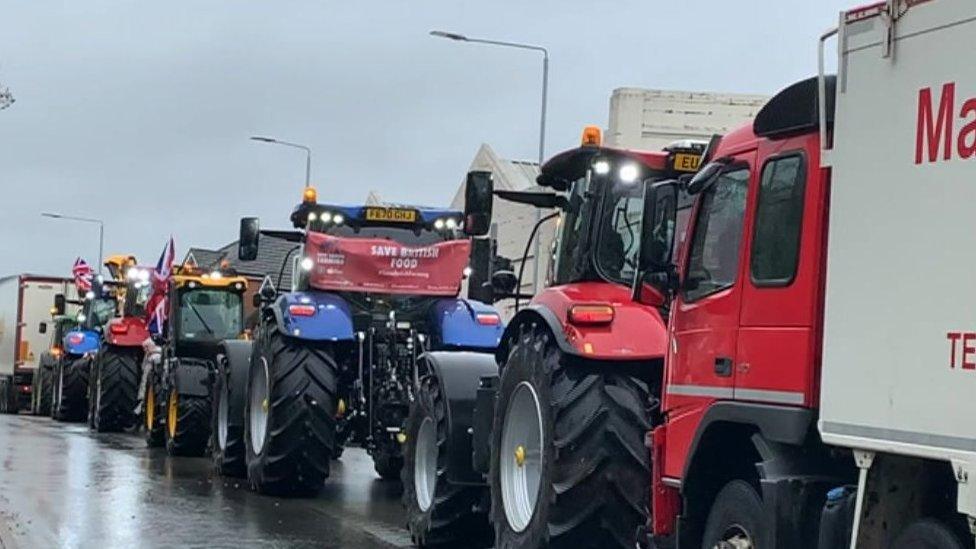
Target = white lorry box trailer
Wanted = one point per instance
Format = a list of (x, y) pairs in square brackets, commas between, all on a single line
[(899, 349), (25, 304)]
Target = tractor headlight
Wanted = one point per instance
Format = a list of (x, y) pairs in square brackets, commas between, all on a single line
[(312, 216), (439, 224), (629, 173), (451, 223), (326, 217), (338, 219), (601, 167), (307, 263)]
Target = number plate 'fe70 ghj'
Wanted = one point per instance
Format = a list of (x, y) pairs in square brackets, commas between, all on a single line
[(394, 215)]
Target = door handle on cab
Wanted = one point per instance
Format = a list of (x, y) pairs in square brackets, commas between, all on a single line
[(723, 367)]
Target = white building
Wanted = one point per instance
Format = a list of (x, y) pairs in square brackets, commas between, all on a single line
[(651, 119)]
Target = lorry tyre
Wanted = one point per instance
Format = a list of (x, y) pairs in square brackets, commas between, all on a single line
[(929, 534), (153, 418), (568, 463), (735, 519), (229, 393), (438, 511), (72, 390), (187, 424), (290, 414), (116, 388)]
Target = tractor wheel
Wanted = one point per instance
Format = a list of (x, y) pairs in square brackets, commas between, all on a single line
[(116, 389), (229, 394), (187, 424), (46, 373), (438, 511), (153, 416), (929, 533), (387, 463), (71, 388), (290, 414), (55, 386), (568, 462)]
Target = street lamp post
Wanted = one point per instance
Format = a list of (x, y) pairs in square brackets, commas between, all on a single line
[(308, 153), (101, 231), (542, 119)]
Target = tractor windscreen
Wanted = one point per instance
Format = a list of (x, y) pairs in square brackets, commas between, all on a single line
[(97, 312), (209, 315)]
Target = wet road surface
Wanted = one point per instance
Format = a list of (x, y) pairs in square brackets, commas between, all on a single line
[(63, 486)]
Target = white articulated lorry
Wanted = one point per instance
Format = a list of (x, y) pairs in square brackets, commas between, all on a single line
[(25, 313)]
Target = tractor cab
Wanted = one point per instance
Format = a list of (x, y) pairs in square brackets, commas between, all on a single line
[(620, 212), (206, 308)]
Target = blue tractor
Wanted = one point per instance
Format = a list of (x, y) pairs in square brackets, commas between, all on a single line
[(334, 359), (70, 377)]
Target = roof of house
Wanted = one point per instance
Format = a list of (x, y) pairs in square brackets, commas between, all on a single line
[(271, 255)]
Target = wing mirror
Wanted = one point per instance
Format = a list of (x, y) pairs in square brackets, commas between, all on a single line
[(657, 243), (504, 282), (247, 245), (60, 304), (265, 294), (42, 328), (477, 203)]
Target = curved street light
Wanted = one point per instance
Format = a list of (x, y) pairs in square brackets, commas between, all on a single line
[(308, 153)]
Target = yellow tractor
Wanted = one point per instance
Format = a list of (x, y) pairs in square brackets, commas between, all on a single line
[(204, 310)]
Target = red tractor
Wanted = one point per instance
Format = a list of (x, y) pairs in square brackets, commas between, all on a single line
[(545, 440), (116, 368)]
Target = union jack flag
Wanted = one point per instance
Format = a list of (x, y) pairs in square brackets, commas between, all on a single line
[(156, 307), (82, 272)]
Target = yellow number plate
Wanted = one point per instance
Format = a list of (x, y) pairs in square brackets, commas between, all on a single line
[(684, 162), (394, 215)]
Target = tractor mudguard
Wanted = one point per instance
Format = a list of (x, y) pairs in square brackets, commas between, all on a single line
[(79, 342), (466, 324), (637, 331), (191, 376), (459, 374), (126, 331), (330, 321)]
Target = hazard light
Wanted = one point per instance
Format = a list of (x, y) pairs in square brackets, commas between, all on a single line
[(120, 328), (489, 319), (302, 310), (590, 315), (592, 137), (310, 195)]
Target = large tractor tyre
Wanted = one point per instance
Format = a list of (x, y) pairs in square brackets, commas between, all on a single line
[(116, 388), (187, 424), (736, 518), (568, 463), (55, 375), (72, 390), (44, 396), (930, 533), (153, 414), (290, 414), (229, 394), (387, 463), (438, 511)]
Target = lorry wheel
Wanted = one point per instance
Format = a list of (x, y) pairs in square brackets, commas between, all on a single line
[(929, 534), (72, 390), (290, 414), (187, 424), (44, 387), (152, 417), (735, 519), (438, 511), (568, 463), (116, 389), (227, 432)]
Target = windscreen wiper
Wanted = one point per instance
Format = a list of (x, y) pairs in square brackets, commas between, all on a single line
[(202, 321)]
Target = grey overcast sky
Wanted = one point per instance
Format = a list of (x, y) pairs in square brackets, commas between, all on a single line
[(139, 112)]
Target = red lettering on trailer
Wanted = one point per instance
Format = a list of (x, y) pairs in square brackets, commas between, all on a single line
[(968, 351), (928, 136), (953, 337)]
